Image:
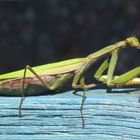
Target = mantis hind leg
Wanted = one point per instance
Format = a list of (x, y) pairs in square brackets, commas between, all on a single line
[(79, 77), (56, 85)]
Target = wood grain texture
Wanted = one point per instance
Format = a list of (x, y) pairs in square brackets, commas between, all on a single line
[(107, 116)]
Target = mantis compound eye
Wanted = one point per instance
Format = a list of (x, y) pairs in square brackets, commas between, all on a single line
[(133, 42)]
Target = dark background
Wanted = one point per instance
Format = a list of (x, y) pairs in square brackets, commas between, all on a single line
[(40, 32)]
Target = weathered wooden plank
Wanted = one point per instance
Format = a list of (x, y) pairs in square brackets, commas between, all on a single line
[(114, 116)]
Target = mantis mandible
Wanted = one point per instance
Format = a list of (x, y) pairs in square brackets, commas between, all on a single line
[(34, 80)]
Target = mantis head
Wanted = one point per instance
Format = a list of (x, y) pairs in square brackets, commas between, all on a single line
[(133, 42)]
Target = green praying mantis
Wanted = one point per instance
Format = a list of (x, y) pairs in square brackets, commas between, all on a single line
[(34, 80)]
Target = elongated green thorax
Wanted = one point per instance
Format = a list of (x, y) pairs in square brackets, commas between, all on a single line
[(107, 50)]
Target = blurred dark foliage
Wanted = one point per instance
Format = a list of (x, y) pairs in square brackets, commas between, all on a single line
[(40, 32)]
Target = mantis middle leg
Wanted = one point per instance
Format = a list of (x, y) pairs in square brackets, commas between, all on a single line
[(79, 77), (79, 74), (82, 82)]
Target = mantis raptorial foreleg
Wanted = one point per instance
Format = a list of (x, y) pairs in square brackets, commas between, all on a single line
[(56, 85), (112, 66), (100, 71), (124, 79)]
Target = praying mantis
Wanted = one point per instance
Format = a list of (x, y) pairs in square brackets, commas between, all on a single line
[(52, 77)]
